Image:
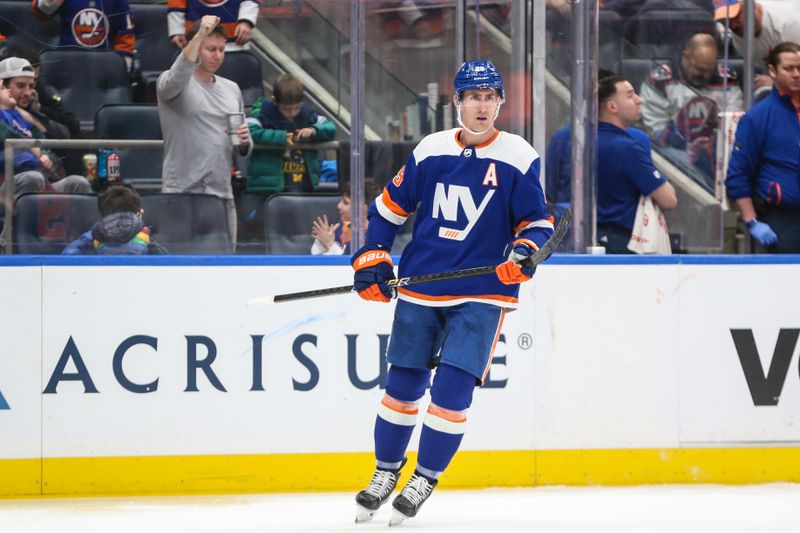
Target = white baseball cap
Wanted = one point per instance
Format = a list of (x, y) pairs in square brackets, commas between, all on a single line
[(13, 67)]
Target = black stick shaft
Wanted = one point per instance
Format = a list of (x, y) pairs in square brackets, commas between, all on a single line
[(543, 253)]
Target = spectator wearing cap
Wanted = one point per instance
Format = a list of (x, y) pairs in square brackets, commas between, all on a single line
[(92, 25), (44, 104), (33, 170), (776, 21)]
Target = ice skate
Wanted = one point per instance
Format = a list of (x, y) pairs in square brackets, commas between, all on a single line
[(414, 494), (369, 500)]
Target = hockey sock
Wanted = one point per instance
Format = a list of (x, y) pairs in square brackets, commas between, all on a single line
[(397, 414), (445, 421)]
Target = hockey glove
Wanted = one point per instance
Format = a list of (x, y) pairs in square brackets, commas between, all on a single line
[(513, 271), (762, 232), (374, 267)]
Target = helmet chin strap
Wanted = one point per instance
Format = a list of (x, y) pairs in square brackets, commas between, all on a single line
[(491, 124)]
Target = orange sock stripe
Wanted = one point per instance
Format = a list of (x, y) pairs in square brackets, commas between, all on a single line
[(447, 414), (401, 407)]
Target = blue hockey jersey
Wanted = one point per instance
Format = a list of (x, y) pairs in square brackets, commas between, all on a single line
[(470, 201)]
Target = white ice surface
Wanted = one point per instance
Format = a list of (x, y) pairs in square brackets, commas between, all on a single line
[(772, 508)]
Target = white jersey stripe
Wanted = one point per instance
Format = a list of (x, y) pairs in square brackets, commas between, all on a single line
[(387, 213), (537, 224)]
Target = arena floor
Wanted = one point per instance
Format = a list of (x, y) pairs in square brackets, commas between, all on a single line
[(655, 509)]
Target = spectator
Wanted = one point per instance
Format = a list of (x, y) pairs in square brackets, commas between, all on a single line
[(558, 173), (335, 239), (283, 121), (43, 104), (412, 24), (104, 25), (680, 109), (625, 170), (238, 18), (193, 106), (776, 21), (30, 165), (121, 231), (765, 164), (558, 170)]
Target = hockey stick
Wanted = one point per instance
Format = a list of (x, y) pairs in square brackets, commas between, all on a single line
[(540, 255)]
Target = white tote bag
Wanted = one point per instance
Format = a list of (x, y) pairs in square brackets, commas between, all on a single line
[(650, 233)]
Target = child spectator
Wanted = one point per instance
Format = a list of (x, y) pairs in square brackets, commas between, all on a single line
[(335, 239), (283, 121), (121, 231)]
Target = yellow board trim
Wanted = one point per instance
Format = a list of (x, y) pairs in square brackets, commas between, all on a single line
[(217, 474)]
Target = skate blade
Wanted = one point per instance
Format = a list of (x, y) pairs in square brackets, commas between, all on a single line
[(397, 518), (363, 514)]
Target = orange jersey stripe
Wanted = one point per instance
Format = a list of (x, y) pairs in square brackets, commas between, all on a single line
[(401, 407), (496, 297), (526, 222), (447, 414), (484, 145), (391, 205)]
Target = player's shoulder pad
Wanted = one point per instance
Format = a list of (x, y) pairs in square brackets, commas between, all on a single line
[(510, 149), (437, 144)]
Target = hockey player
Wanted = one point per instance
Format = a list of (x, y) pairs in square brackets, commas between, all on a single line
[(476, 194)]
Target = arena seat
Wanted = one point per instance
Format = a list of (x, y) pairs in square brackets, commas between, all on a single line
[(156, 53), (245, 69), (288, 220), (662, 32), (140, 168), (86, 80), (44, 223), (21, 28), (188, 224)]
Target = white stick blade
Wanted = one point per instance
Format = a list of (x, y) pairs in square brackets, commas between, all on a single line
[(260, 300)]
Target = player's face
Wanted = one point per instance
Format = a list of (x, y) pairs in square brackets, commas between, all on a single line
[(627, 102), (787, 73), (21, 89), (212, 53), (479, 108)]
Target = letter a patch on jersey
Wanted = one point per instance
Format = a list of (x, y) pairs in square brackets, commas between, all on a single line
[(491, 176), (447, 201)]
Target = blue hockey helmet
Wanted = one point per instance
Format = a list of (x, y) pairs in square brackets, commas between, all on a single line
[(479, 74)]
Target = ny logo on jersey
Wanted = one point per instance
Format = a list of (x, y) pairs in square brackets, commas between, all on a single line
[(448, 200)]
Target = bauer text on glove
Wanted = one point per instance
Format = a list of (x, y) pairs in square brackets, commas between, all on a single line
[(373, 269)]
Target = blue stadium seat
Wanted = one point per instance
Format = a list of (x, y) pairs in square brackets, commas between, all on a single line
[(44, 223), (245, 69), (21, 28), (86, 80), (288, 220), (155, 52), (139, 167), (662, 32), (188, 224)]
